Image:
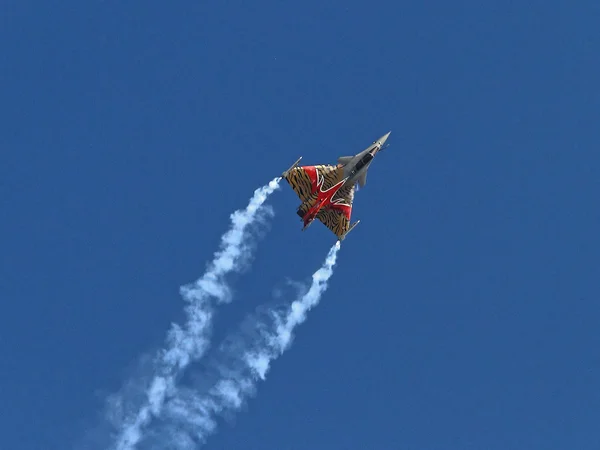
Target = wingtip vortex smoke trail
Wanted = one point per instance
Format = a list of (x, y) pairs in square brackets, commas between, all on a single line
[(191, 415), (189, 343), (279, 341)]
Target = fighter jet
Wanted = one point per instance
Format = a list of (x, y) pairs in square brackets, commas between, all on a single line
[(327, 191)]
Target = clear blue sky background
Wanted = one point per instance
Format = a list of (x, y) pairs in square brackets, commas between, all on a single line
[(464, 311)]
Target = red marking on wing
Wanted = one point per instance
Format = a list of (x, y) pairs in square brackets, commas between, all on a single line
[(344, 209), (324, 200), (311, 171)]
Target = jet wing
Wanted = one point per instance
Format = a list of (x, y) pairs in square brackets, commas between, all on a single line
[(305, 180), (336, 216)]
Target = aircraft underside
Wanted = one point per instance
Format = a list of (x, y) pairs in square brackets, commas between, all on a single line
[(325, 196), (327, 191)]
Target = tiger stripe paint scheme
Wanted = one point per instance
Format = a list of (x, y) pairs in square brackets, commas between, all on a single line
[(312, 183), (327, 191)]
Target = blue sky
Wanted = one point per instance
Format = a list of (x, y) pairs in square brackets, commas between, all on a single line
[(463, 313)]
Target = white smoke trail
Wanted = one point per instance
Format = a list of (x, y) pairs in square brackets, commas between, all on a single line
[(190, 414), (260, 358), (188, 344)]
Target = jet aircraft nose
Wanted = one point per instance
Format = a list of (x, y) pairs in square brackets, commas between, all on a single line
[(383, 138)]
